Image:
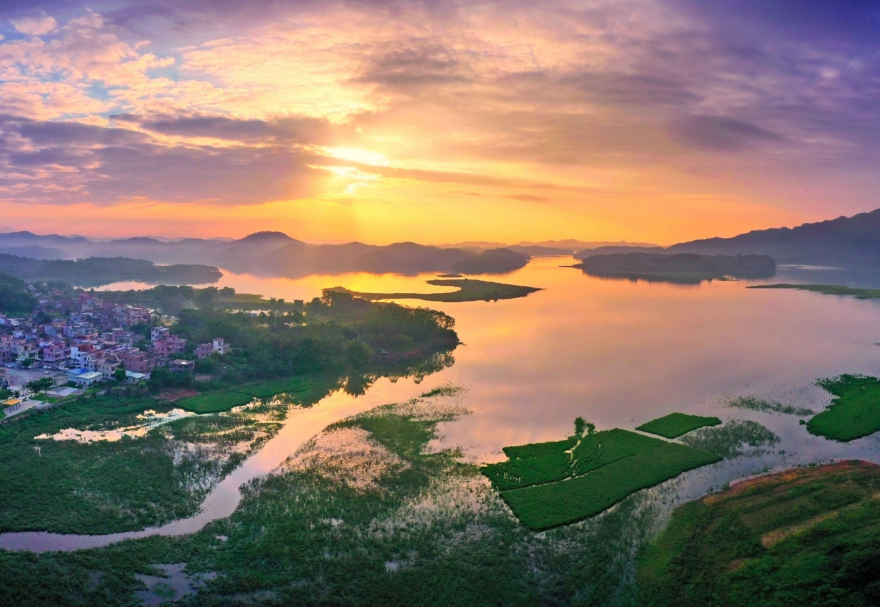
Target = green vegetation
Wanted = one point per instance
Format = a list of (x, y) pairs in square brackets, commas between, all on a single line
[(332, 528), (96, 271), (826, 290), (676, 424), (105, 487), (854, 412), (728, 440), (804, 537), (752, 403), (561, 482), (39, 385), (468, 290), (14, 296), (213, 402)]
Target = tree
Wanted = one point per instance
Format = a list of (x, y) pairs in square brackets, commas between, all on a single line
[(119, 375), (38, 385), (581, 426), (358, 354)]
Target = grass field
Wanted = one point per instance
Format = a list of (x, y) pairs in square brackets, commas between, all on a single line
[(224, 400), (214, 402), (468, 290), (676, 424), (826, 290), (855, 411), (807, 537), (557, 483)]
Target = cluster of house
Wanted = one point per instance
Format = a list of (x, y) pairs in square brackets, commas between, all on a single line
[(95, 341)]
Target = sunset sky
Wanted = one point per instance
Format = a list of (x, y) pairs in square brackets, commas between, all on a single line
[(437, 121)]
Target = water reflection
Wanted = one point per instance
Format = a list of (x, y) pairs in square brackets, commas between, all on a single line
[(618, 353)]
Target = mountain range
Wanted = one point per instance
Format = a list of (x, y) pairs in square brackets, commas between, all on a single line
[(269, 253), (852, 242)]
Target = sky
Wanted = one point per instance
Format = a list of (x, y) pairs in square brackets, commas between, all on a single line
[(437, 121)]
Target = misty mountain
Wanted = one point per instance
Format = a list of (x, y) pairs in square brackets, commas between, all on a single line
[(546, 248), (845, 241), (270, 253), (98, 271), (617, 249), (298, 259)]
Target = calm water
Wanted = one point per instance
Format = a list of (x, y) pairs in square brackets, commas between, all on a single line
[(618, 353)]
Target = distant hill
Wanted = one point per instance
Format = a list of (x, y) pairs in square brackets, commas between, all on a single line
[(545, 248), (845, 241), (402, 258), (610, 250), (680, 267), (276, 254), (98, 271)]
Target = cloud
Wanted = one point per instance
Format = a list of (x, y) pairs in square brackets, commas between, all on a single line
[(720, 133), (35, 26)]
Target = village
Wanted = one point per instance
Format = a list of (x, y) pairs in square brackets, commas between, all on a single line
[(72, 342)]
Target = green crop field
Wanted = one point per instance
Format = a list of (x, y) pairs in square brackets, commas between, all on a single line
[(676, 424), (214, 402), (557, 483), (854, 413)]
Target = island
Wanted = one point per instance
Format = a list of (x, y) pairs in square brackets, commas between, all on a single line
[(826, 290), (684, 268), (468, 290)]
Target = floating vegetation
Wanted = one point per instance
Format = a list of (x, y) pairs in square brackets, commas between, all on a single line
[(728, 440), (753, 403), (676, 424), (561, 482), (854, 412), (345, 456)]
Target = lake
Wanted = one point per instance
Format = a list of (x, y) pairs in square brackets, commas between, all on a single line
[(617, 352), (620, 353)]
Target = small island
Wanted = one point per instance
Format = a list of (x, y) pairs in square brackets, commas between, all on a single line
[(826, 290), (468, 290), (683, 268)]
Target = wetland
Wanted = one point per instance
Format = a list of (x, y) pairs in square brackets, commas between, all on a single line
[(368, 490)]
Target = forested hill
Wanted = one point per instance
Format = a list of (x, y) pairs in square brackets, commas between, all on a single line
[(845, 241), (14, 296), (97, 271)]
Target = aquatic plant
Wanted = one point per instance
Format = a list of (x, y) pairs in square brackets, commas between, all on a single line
[(753, 403), (729, 439)]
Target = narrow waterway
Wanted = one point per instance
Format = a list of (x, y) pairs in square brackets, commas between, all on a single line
[(301, 425)]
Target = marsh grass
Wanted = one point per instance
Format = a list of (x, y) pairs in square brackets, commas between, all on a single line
[(753, 403), (730, 439)]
